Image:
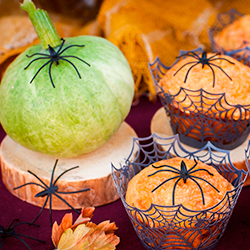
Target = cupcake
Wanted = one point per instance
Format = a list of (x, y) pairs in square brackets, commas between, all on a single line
[(177, 199), (207, 97), (231, 35), (178, 181), (194, 184), (235, 35)]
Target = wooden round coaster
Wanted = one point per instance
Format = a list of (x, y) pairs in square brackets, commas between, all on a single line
[(94, 172), (160, 125)]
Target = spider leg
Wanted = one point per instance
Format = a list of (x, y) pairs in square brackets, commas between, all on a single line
[(39, 58), (52, 174), (164, 183), (174, 189), (63, 41), (210, 58), (164, 170), (10, 225), (193, 167), (212, 72), (78, 59), (220, 58), (206, 182), (30, 237), (73, 66), (184, 66), (30, 183), (203, 199), (70, 46), (22, 241), (64, 173), (195, 55), (66, 203), (50, 207), (221, 70), (1, 244), (74, 192), (50, 74), (189, 71), (38, 54), (200, 170), (38, 178), (39, 71), (44, 204)]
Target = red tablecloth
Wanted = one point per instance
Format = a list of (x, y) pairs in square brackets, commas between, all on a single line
[(236, 236)]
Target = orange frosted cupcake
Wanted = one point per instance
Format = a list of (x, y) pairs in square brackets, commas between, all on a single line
[(194, 185), (235, 35), (162, 183), (226, 76), (209, 98)]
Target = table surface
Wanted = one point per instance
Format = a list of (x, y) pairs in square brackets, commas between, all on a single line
[(236, 236)]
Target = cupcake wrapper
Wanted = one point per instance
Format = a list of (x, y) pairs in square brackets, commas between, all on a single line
[(176, 227), (241, 54), (207, 117)]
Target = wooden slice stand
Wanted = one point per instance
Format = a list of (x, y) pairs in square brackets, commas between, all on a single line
[(94, 171), (160, 125)]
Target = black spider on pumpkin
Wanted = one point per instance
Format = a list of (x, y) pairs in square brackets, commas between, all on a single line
[(55, 56), (183, 174), (203, 60), (50, 190), (10, 232)]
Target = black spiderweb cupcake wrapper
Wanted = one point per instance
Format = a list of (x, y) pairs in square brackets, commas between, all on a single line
[(199, 116), (162, 227)]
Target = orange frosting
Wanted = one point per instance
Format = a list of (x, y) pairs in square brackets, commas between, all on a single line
[(139, 193), (237, 88)]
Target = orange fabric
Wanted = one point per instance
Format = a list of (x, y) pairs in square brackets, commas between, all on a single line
[(144, 29)]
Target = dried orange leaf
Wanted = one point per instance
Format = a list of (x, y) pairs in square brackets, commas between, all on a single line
[(100, 240), (107, 227), (57, 231), (73, 239), (84, 234), (85, 216)]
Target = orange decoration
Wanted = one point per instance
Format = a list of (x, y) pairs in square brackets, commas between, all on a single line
[(84, 234)]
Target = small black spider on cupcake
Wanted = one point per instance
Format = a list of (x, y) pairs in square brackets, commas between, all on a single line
[(182, 174), (54, 57), (203, 60)]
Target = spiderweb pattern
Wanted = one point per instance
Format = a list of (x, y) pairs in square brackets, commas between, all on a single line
[(199, 116), (242, 53), (168, 227), (247, 156)]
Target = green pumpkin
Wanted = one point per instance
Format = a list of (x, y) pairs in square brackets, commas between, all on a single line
[(77, 115)]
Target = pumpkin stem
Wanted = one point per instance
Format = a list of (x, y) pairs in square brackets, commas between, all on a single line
[(43, 25)]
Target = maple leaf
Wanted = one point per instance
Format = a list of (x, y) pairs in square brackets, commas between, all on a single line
[(84, 234)]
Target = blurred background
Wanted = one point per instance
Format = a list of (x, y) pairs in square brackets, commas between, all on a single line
[(142, 29)]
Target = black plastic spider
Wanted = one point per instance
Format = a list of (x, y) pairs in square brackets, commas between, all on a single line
[(204, 61), (183, 174), (10, 232), (55, 56), (50, 190)]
